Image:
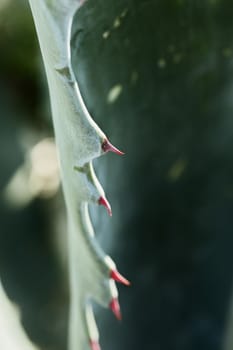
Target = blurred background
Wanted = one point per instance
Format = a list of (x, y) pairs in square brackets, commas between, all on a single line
[(157, 76)]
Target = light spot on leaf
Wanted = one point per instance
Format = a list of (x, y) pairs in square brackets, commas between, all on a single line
[(177, 58), (114, 93), (177, 170), (227, 52), (124, 13), (117, 22), (134, 77), (161, 63), (106, 34)]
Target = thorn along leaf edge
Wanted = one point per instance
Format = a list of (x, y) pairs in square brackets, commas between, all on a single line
[(108, 147), (115, 307), (116, 276), (103, 201), (94, 345)]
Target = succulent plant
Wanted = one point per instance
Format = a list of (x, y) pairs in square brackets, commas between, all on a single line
[(79, 140)]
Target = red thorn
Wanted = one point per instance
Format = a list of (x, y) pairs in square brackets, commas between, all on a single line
[(108, 147), (116, 276), (103, 201), (115, 307), (94, 345)]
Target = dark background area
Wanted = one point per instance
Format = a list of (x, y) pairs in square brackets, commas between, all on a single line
[(172, 194)]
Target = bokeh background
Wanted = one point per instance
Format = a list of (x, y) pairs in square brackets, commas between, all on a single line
[(157, 76)]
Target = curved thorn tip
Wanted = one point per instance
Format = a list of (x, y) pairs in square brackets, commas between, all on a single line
[(116, 276), (108, 147), (103, 201), (94, 345), (115, 307)]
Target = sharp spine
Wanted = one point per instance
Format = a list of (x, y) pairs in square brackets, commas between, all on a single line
[(108, 147), (116, 276)]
